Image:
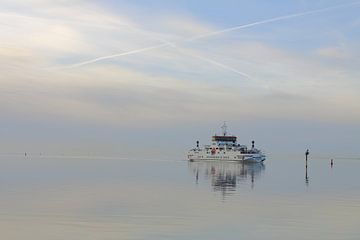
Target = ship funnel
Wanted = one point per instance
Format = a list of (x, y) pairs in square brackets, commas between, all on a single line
[(197, 144), (253, 144)]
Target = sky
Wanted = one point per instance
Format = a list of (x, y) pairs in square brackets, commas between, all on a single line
[(149, 78)]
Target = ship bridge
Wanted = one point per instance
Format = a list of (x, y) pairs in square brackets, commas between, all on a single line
[(226, 139)]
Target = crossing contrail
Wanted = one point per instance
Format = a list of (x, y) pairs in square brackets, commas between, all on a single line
[(214, 63), (166, 43), (118, 55), (221, 65), (276, 19)]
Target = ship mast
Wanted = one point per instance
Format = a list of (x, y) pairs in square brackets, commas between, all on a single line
[(224, 129)]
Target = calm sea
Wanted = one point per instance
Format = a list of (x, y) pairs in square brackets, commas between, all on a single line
[(59, 197)]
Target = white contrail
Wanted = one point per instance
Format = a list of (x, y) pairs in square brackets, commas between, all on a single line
[(171, 44), (118, 55), (223, 66), (164, 44), (270, 21), (219, 64), (212, 34)]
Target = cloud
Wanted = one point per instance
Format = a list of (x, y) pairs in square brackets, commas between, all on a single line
[(159, 86), (182, 26), (333, 53), (109, 94)]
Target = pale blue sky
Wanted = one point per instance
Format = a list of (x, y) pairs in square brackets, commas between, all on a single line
[(90, 76)]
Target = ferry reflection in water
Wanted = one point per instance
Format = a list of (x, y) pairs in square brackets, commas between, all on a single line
[(225, 176)]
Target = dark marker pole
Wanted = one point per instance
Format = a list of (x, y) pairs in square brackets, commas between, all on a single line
[(197, 176), (306, 157), (306, 167)]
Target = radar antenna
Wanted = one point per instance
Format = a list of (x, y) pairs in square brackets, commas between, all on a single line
[(224, 129)]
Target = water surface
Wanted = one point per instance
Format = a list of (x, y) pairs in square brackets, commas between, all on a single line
[(60, 197)]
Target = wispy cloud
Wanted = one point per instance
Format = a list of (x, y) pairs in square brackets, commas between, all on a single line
[(333, 52), (163, 77), (206, 35)]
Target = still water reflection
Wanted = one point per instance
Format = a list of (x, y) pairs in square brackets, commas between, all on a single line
[(225, 176), (76, 198)]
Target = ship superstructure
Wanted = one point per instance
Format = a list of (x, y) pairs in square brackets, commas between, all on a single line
[(225, 147)]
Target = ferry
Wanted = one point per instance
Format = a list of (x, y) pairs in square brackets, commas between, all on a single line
[(224, 147)]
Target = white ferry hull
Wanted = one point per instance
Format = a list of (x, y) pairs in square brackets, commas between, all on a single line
[(227, 157)]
